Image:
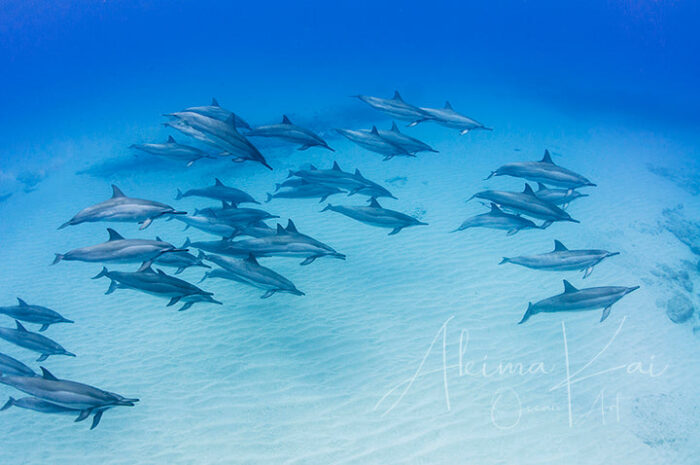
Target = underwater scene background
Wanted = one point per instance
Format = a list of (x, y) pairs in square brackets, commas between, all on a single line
[(408, 351)]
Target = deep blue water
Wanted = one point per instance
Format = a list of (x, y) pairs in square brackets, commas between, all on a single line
[(610, 87)]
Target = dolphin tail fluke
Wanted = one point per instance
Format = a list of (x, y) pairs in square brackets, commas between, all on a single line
[(96, 419), (504, 260), (58, 258), (269, 197), (101, 273), (179, 195), (528, 314), (10, 402)]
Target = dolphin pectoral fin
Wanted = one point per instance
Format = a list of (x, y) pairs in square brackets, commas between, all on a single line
[(588, 272), (96, 419), (606, 313), (83, 415), (146, 223), (463, 132), (546, 224), (189, 163), (304, 147), (528, 314), (512, 232), (395, 230), (113, 286), (308, 260), (58, 258), (43, 328), (42, 358), (180, 270), (185, 307), (565, 206), (416, 122), (173, 301), (267, 294)]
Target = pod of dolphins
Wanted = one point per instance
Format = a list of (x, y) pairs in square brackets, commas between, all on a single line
[(243, 236)]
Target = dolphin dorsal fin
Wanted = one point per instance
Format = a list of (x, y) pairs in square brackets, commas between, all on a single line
[(171, 140), (116, 192), (214, 103), (568, 287), (46, 374), (22, 303), (547, 158), (159, 239), (312, 168), (528, 189), (280, 229), (291, 227), (558, 246), (114, 235), (20, 327), (394, 127), (251, 259), (336, 166), (187, 243), (217, 182), (357, 173), (373, 203), (285, 120), (375, 131), (495, 209), (447, 105), (541, 187), (397, 96)]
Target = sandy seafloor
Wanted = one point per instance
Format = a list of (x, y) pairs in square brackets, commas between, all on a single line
[(322, 378)]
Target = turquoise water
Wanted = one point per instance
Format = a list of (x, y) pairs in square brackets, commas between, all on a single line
[(408, 351)]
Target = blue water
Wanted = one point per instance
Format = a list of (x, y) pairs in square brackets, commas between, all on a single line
[(392, 356)]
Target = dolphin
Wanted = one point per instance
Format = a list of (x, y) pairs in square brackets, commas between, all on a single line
[(497, 219), (124, 209), (11, 366), (119, 250), (543, 171), (217, 112), (409, 144), (84, 399), (38, 405), (354, 183), (287, 242), (173, 151), (224, 135), (33, 341), (527, 203), (181, 259), (288, 131), (562, 259), (235, 215), (446, 116), (561, 197), (34, 314), (249, 271), (372, 141), (219, 192), (305, 191), (578, 300), (376, 215), (396, 107), (156, 283)]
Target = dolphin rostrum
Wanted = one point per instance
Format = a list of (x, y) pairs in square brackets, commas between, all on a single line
[(376, 215), (124, 209), (497, 219), (33, 341), (562, 259), (84, 399), (249, 271), (289, 131), (578, 300), (34, 314), (543, 171)]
